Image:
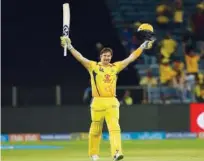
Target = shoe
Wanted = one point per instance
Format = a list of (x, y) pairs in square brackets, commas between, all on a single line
[(94, 157), (118, 156)]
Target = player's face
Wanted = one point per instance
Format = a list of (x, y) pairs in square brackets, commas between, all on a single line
[(106, 58)]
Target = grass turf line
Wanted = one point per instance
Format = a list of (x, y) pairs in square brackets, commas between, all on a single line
[(143, 150)]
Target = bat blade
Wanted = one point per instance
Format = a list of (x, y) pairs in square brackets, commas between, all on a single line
[(66, 23)]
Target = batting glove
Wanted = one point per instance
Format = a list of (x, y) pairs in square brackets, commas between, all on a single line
[(147, 45), (66, 41)]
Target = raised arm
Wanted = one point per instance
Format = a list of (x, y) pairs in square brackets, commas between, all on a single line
[(135, 54), (84, 61)]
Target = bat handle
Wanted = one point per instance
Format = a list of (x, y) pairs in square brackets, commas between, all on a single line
[(65, 50)]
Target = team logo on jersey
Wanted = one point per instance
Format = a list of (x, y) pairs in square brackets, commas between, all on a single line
[(101, 69), (107, 78)]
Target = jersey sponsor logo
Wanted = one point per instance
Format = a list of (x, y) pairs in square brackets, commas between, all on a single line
[(109, 89)]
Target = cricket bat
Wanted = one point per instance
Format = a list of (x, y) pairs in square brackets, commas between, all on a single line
[(66, 22)]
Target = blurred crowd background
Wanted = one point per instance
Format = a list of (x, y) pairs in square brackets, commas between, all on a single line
[(173, 70), (34, 71)]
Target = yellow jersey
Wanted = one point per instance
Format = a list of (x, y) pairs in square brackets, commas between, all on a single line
[(179, 66), (178, 16), (168, 46), (148, 81), (199, 90), (104, 78), (192, 63), (166, 73)]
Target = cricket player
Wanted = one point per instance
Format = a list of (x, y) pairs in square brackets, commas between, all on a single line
[(105, 105)]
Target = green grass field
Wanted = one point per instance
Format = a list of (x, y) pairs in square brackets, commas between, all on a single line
[(147, 150)]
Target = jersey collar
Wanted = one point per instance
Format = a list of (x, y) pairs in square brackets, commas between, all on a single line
[(109, 65)]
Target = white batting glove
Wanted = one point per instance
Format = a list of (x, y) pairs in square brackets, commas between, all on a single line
[(147, 44)]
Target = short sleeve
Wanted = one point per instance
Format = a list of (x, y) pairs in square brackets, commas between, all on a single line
[(119, 66), (91, 66)]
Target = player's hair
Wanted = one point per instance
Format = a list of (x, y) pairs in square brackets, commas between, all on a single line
[(105, 50)]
